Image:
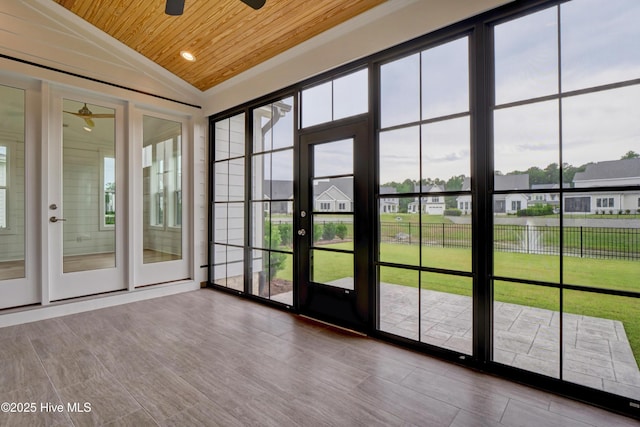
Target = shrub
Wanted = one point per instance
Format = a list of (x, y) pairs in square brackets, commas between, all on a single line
[(317, 232), (329, 231), (341, 231), (286, 231), (536, 211), (274, 261), (452, 212)]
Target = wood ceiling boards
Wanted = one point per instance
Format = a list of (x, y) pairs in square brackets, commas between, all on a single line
[(226, 36)]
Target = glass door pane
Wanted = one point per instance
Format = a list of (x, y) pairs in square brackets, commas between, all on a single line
[(89, 186), (12, 184), (332, 226), (162, 190)]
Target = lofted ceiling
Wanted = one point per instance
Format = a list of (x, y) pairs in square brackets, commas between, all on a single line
[(226, 36)]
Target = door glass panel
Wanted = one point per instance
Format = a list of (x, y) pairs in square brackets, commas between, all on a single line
[(162, 190), (89, 187), (12, 184), (333, 158), (332, 218), (332, 268), (333, 230)]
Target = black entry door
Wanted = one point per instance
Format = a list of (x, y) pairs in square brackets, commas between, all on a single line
[(333, 239)]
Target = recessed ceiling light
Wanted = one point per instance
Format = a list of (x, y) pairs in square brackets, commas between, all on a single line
[(187, 55)]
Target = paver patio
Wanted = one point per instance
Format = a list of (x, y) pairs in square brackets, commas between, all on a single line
[(597, 353)]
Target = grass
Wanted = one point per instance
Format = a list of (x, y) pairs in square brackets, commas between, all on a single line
[(597, 273)]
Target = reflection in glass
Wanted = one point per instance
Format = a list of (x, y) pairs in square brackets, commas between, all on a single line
[(445, 79), (597, 120), (527, 247), (273, 126), (399, 301), (333, 158), (89, 243), (12, 184), (162, 189), (601, 337), (446, 311), (229, 207), (332, 268), (599, 42), (400, 91), (400, 155), (526, 136), (526, 57), (446, 150), (229, 137), (526, 327)]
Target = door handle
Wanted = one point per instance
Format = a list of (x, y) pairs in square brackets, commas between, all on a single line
[(302, 232), (56, 219)]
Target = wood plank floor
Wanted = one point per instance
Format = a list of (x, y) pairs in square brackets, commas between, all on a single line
[(205, 358)]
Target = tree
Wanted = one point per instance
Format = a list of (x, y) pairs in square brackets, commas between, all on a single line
[(630, 155)]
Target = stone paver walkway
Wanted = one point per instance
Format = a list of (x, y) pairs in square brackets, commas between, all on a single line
[(597, 353)]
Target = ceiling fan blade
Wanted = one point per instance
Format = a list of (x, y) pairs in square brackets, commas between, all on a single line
[(102, 116), (174, 7), (256, 4)]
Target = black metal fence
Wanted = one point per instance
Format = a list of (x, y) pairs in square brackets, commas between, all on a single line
[(579, 241)]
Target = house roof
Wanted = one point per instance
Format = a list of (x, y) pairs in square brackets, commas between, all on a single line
[(388, 190), (611, 169), (280, 189), (503, 182), (344, 185)]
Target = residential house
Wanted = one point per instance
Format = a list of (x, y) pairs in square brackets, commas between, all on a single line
[(509, 203), (388, 204), (333, 195), (430, 204), (612, 173)]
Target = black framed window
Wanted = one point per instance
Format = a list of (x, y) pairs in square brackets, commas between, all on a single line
[(508, 192)]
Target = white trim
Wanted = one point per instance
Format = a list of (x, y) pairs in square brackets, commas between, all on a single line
[(18, 316)]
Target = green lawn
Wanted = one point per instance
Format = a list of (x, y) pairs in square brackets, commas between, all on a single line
[(601, 273)]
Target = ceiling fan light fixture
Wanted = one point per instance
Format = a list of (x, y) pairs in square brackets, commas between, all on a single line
[(87, 128), (188, 55)]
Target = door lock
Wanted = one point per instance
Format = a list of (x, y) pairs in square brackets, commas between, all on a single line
[(302, 232)]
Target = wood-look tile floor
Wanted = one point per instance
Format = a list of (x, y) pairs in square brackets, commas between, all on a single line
[(205, 358)]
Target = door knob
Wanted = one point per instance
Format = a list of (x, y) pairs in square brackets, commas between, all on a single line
[(302, 232), (56, 219)]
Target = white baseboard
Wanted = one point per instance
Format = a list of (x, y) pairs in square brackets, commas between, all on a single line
[(34, 313)]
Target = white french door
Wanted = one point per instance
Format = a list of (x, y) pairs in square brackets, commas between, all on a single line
[(85, 209)]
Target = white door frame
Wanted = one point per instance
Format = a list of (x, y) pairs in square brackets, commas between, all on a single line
[(69, 285), (166, 271)]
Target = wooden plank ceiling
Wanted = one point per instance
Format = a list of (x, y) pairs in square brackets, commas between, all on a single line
[(226, 36)]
